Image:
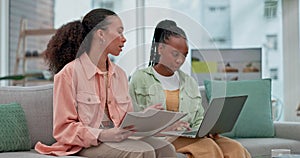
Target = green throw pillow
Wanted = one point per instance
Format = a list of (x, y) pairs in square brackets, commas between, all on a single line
[(14, 135), (255, 119)]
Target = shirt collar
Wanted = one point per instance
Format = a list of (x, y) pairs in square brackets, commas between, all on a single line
[(91, 69), (149, 70)]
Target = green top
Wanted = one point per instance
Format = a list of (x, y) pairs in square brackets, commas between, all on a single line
[(145, 90)]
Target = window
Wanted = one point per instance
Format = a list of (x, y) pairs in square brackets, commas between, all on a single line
[(208, 24), (270, 9), (272, 42)]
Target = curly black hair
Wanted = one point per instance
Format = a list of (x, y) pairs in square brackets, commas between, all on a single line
[(74, 38), (63, 46), (163, 31)]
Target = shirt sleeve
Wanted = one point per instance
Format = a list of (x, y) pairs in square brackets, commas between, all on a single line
[(67, 128), (132, 87), (200, 111)]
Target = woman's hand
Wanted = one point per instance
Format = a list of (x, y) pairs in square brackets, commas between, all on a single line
[(213, 136), (179, 125), (116, 134)]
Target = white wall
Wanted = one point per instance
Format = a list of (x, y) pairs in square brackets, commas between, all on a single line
[(3, 39), (249, 29), (246, 22), (64, 12)]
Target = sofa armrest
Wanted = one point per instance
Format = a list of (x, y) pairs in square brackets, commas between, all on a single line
[(289, 130)]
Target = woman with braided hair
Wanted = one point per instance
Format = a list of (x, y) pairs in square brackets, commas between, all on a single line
[(90, 95), (164, 82)]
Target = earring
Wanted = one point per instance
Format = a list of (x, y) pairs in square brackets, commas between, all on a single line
[(102, 41)]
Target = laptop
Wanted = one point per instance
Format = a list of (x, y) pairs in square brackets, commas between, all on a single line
[(220, 117)]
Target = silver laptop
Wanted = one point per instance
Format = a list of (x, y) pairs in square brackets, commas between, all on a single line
[(220, 117)]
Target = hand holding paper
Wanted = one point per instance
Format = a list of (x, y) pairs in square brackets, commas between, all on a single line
[(116, 134)]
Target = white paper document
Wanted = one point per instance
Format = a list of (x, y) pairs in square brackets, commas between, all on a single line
[(151, 121)]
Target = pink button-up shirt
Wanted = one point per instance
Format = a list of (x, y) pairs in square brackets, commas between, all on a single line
[(79, 98)]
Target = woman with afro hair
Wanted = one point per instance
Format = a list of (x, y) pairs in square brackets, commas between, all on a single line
[(164, 82), (90, 95)]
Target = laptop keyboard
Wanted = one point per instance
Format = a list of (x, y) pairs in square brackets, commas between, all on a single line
[(189, 133)]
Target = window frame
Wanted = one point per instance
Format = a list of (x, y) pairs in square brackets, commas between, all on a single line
[(4, 39)]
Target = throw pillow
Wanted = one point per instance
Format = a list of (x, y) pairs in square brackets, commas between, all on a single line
[(255, 119), (14, 135)]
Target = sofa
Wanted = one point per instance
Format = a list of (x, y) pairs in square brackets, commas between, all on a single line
[(286, 137), (37, 102)]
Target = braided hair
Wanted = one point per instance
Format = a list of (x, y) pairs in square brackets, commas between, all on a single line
[(163, 31), (74, 38)]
